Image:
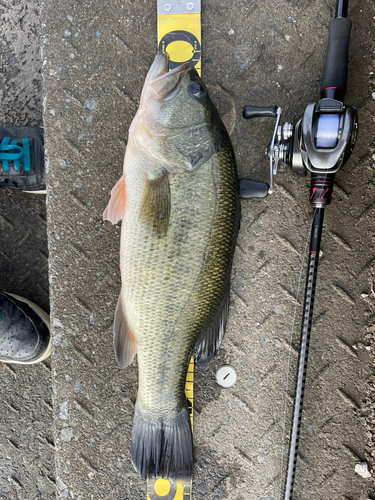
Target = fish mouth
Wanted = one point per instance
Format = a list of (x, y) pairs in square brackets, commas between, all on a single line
[(168, 83), (179, 69)]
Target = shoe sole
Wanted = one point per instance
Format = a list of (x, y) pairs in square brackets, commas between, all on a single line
[(35, 192), (45, 319)]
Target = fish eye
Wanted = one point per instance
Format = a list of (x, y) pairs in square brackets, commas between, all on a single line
[(196, 89)]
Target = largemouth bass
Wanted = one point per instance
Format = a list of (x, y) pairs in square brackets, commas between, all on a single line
[(178, 200)]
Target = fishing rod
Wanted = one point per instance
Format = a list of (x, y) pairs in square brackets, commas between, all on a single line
[(321, 142)]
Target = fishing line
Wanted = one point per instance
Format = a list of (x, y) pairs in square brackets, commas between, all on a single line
[(290, 355)]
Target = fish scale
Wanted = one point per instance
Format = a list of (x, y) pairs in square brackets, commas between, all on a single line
[(175, 279)]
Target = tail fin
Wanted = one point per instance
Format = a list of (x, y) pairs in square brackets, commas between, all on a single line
[(162, 446)]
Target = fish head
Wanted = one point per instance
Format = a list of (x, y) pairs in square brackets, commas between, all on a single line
[(176, 116), (174, 99)]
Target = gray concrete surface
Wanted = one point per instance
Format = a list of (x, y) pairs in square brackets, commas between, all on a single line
[(95, 57), (95, 61), (27, 468)]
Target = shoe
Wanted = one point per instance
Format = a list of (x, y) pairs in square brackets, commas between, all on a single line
[(24, 331), (22, 159)]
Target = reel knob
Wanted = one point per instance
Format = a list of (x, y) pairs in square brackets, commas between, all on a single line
[(250, 112), (248, 189)]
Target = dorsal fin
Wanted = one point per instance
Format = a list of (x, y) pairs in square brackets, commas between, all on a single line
[(208, 345)]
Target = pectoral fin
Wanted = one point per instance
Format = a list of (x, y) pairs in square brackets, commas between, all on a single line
[(124, 342), (156, 204), (208, 345), (115, 210)]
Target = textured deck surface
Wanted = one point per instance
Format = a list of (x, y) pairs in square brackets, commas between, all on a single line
[(27, 462), (95, 58)]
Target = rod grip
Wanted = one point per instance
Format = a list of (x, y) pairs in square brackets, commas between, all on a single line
[(335, 73)]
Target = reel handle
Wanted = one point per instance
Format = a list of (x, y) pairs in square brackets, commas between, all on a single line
[(255, 189)]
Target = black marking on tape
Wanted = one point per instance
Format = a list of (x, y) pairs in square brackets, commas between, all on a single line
[(183, 36)]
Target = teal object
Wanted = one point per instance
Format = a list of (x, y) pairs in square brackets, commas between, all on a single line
[(14, 153)]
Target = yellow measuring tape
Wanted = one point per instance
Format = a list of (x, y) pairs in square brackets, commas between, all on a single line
[(179, 34)]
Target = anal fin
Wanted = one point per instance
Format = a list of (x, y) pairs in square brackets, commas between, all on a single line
[(156, 204), (209, 343), (124, 342), (115, 210)]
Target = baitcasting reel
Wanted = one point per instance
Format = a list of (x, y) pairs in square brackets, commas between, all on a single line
[(321, 142)]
